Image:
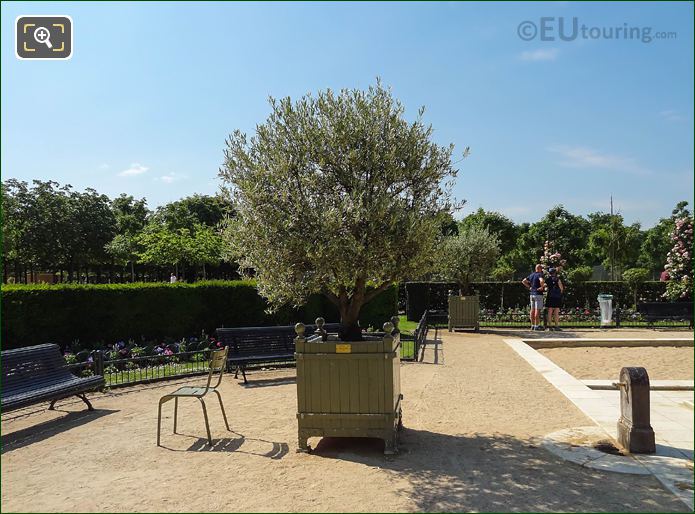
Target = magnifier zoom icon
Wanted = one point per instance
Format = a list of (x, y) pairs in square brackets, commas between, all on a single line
[(43, 36)]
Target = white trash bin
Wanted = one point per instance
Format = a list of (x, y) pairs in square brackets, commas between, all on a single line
[(605, 302)]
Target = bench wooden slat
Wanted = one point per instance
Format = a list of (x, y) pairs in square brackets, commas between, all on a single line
[(34, 374), (255, 345)]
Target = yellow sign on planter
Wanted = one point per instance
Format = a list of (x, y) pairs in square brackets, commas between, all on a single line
[(343, 348)]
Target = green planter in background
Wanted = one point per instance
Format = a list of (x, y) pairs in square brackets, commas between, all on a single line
[(464, 312)]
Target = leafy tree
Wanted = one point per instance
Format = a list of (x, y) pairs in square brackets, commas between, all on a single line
[(612, 243), (337, 194), (124, 249), (566, 230), (635, 277), (655, 245), (160, 246), (131, 214), (496, 223), (503, 272), (93, 225), (194, 210), (204, 247), (131, 217), (469, 256)]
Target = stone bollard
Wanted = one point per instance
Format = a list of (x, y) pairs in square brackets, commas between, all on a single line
[(635, 432)]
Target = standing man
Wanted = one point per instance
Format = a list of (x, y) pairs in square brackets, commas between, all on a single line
[(535, 284), (172, 279)]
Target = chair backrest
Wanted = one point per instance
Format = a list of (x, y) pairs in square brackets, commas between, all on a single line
[(218, 362)]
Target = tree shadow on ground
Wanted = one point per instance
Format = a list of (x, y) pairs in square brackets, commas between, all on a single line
[(498, 473), (36, 433)]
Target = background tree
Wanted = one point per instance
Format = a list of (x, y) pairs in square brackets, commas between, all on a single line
[(194, 210), (131, 216), (468, 257), (497, 224), (160, 246), (566, 230), (656, 243), (612, 243), (204, 247), (635, 277), (336, 194)]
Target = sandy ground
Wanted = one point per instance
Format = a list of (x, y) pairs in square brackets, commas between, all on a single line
[(473, 414), (662, 363)]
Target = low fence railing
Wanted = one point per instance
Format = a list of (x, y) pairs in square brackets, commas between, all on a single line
[(127, 371), (570, 318)]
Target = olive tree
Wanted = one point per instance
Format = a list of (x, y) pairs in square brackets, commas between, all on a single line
[(469, 256), (338, 194)]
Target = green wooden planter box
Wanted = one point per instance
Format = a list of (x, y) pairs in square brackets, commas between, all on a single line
[(349, 389), (464, 312)]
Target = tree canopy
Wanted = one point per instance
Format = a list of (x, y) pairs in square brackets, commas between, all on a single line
[(339, 194)]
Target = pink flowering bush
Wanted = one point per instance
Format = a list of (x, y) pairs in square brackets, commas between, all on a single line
[(551, 258), (679, 261)]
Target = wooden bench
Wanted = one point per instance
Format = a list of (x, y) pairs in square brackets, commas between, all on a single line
[(36, 374), (663, 311), (256, 345)]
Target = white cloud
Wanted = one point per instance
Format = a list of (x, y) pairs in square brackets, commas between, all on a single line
[(170, 177), (582, 157), (104, 166), (542, 54), (135, 169), (671, 115)]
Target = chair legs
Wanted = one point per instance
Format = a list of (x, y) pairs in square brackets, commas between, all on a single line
[(159, 419), (165, 399), (207, 423), (224, 414), (176, 411)]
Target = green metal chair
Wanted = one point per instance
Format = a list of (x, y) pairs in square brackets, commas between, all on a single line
[(218, 362)]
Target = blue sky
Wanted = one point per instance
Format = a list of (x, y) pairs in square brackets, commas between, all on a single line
[(153, 89)]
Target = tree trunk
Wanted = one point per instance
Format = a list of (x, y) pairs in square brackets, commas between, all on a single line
[(350, 329), (132, 271)]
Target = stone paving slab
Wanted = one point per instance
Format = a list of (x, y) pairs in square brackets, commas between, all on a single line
[(671, 418)]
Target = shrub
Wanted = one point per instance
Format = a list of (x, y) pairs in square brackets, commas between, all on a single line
[(104, 313), (579, 275)]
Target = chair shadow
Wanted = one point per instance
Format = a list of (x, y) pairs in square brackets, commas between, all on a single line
[(42, 431), (235, 445)]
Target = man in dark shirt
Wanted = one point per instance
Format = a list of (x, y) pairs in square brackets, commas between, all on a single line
[(535, 283)]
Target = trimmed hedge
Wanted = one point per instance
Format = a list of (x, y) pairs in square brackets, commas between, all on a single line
[(433, 295), (106, 313)]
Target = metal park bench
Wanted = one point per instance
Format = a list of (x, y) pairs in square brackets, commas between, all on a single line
[(666, 311), (256, 345), (36, 374)]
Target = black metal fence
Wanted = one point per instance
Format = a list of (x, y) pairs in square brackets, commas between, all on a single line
[(569, 318), (128, 371), (143, 369)]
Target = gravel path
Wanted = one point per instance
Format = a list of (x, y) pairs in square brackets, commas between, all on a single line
[(470, 444)]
